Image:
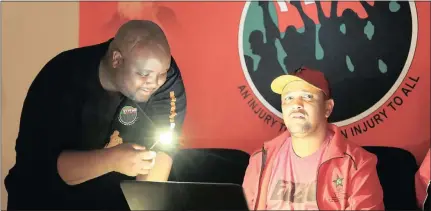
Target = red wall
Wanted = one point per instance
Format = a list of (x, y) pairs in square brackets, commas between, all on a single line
[(204, 40)]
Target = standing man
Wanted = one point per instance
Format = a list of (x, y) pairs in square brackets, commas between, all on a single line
[(89, 119), (310, 166)]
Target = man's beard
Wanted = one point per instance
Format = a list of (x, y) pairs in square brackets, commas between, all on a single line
[(299, 129)]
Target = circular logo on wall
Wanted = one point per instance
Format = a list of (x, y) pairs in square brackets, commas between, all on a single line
[(364, 49), (128, 115)]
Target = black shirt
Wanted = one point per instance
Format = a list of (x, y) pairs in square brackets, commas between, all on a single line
[(66, 108)]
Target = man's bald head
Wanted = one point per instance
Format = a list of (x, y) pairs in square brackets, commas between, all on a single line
[(139, 58), (141, 34)]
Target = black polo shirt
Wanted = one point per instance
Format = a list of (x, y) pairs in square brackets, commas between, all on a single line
[(66, 108)]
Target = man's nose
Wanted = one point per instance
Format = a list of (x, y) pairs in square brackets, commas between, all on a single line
[(151, 81), (298, 103)]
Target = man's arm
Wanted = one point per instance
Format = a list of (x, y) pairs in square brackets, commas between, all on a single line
[(96, 163), (366, 191), (48, 127), (127, 159), (251, 179), (77, 167), (161, 169)]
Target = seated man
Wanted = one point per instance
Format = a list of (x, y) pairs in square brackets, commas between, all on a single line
[(422, 181), (310, 166)]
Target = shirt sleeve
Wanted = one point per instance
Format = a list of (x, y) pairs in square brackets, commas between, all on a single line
[(46, 128), (169, 106)]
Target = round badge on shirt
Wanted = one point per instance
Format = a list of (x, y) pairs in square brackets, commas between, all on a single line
[(128, 115)]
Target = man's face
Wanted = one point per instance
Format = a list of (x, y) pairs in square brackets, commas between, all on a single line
[(304, 108), (140, 73)]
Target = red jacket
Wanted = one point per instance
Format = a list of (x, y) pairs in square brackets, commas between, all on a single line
[(422, 180), (361, 188)]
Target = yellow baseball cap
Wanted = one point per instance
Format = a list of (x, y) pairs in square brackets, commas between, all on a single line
[(315, 78)]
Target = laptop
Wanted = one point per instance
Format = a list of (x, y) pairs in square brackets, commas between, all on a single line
[(183, 196)]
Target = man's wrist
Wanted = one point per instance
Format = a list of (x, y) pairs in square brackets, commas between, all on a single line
[(108, 158)]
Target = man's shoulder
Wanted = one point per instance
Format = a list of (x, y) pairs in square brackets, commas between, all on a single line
[(173, 87), (272, 144), (85, 53), (257, 152), (358, 153), (346, 146), (76, 57), (174, 79), (65, 71)]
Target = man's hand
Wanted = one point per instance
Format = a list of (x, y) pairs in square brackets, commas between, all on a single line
[(131, 159), (115, 140)]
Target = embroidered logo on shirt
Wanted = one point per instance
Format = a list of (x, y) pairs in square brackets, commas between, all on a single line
[(173, 113), (338, 181), (339, 195), (128, 115)]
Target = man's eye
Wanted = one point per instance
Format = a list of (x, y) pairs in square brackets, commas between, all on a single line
[(288, 98), (143, 74), (308, 96)]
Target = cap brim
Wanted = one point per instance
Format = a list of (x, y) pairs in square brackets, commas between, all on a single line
[(281, 82)]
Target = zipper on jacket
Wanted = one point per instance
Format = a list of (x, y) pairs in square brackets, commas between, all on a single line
[(354, 163), (317, 179), (262, 167)]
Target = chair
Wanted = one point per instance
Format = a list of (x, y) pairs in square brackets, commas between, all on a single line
[(396, 169), (209, 165)]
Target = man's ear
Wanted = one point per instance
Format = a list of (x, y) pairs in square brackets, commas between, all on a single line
[(329, 106), (117, 59)]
